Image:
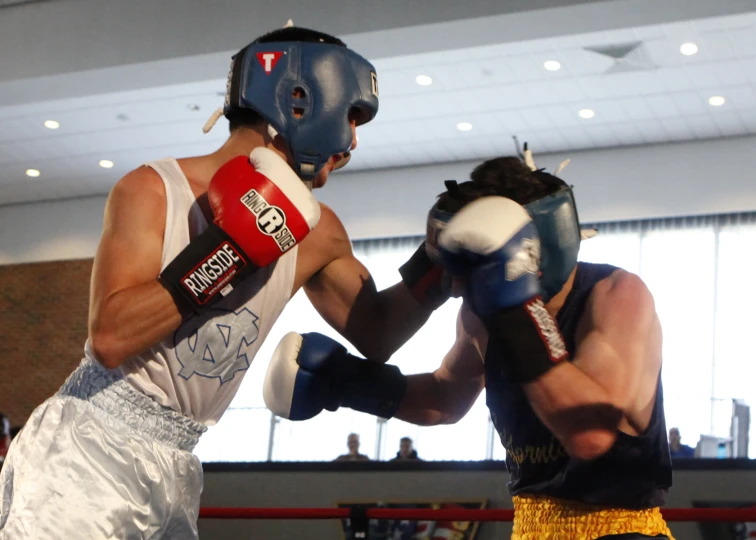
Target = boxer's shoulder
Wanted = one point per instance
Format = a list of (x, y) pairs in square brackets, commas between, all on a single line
[(141, 188), (330, 222), (328, 240), (135, 213), (621, 288), (620, 301)]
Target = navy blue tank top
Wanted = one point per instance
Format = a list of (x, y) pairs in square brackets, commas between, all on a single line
[(635, 473)]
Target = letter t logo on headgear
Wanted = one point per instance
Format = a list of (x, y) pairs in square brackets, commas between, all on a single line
[(219, 112), (268, 60)]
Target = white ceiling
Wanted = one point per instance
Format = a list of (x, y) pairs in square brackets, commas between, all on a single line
[(502, 90), (5, 3)]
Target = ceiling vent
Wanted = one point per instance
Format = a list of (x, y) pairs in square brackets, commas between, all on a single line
[(626, 56)]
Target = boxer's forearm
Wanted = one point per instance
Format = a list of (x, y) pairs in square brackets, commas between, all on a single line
[(430, 401), (381, 322), (577, 410), (400, 318), (131, 321), (376, 323)]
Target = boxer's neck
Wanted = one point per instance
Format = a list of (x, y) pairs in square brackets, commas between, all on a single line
[(243, 140), (556, 303)]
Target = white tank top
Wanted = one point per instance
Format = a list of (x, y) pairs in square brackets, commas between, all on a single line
[(199, 367)]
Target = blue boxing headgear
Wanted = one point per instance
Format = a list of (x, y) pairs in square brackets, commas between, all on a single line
[(555, 217), (326, 84)]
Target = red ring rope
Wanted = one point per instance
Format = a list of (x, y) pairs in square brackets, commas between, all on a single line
[(455, 514)]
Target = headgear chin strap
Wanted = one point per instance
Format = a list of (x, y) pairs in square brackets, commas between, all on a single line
[(308, 93)]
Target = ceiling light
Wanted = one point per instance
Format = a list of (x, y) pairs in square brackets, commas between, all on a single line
[(689, 49), (716, 101), (586, 113), (464, 126), (51, 124), (32, 172), (106, 164), (552, 65), (423, 80)]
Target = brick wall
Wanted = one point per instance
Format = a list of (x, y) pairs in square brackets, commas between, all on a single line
[(43, 327)]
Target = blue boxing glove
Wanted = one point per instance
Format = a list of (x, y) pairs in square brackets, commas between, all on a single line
[(312, 372), (493, 244)]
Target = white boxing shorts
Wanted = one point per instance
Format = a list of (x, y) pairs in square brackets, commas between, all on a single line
[(99, 460)]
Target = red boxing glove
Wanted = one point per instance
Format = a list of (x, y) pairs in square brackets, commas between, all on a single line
[(262, 209), (262, 205)]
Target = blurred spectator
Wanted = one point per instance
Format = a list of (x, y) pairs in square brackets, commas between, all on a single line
[(406, 452), (353, 443), (677, 450), (5, 438)]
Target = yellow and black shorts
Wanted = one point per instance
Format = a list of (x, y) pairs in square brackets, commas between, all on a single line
[(545, 518)]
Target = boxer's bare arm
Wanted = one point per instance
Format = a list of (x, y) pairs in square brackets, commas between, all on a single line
[(611, 383), (342, 291), (129, 309), (446, 395)]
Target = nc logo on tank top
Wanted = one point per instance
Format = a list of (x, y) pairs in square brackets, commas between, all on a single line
[(216, 344)]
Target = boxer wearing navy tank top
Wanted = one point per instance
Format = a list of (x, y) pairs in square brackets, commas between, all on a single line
[(569, 353), (579, 411)]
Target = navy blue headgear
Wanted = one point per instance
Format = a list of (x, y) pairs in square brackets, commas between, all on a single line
[(555, 217), (335, 82)]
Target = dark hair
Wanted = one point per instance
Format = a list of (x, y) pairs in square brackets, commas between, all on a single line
[(405, 439), (503, 176), (248, 118), (295, 33)]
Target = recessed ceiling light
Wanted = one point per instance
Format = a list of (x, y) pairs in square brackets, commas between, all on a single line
[(689, 49), (586, 113), (552, 65), (716, 101), (464, 126), (51, 124), (423, 80), (106, 164), (32, 172)]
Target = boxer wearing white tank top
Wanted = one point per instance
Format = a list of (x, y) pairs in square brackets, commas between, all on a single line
[(198, 257)]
